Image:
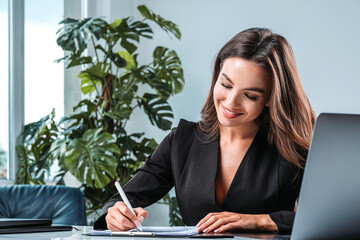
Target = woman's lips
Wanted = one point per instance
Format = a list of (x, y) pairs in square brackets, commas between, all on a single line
[(228, 113)]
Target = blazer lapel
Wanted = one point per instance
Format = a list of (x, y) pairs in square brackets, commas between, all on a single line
[(196, 190)]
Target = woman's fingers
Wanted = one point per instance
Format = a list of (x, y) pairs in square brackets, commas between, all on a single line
[(222, 221), (208, 220), (120, 218), (225, 228), (126, 211), (215, 221), (121, 224), (141, 214), (226, 221)]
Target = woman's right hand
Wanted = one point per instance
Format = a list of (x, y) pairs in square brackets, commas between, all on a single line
[(120, 218)]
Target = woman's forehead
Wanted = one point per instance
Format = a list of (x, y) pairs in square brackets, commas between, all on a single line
[(241, 71)]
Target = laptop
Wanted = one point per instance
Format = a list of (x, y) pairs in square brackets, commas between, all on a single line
[(329, 201)]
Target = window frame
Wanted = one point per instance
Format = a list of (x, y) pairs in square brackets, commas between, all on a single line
[(16, 58), (16, 84)]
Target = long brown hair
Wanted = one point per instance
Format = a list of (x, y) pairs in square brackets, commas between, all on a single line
[(289, 117)]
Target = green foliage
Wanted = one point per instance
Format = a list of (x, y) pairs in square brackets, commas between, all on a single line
[(34, 153), (92, 158), (167, 26), (92, 142)]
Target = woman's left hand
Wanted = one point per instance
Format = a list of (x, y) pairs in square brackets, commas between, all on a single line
[(227, 221)]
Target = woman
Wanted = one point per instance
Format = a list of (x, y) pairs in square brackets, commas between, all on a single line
[(240, 167)]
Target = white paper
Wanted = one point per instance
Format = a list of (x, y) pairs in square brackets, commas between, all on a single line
[(157, 231)]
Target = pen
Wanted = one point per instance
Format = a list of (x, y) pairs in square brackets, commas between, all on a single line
[(126, 201)]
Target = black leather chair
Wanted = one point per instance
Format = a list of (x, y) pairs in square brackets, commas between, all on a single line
[(64, 205)]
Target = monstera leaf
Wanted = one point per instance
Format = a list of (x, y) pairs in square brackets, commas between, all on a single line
[(34, 151), (167, 26), (92, 158), (158, 110), (92, 77), (165, 75), (25, 160), (75, 34), (128, 32)]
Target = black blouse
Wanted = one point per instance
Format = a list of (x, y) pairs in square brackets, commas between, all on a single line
[(265, 182)]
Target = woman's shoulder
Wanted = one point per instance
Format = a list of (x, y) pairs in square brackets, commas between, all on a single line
[(188, 130), (182, 136), (185, 126)]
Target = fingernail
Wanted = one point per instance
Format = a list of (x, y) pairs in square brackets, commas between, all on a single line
[(217, 230), (141, 219), (206, 230)]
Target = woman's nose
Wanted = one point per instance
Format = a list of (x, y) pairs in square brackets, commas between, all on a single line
[(233, 100)]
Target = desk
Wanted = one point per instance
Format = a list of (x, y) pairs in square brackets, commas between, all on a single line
[(79, 234)]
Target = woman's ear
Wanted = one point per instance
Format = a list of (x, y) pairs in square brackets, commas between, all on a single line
[(267, 104)]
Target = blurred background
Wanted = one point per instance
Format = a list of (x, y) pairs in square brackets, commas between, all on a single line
[(324, 35)]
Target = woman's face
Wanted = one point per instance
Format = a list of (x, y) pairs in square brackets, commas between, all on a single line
[(241, 92)]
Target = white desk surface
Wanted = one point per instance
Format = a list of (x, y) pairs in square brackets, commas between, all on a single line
[(79, 234)]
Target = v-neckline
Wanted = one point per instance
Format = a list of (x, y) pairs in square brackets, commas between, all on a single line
[(237, 171)]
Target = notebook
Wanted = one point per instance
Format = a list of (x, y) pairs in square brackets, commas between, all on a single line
[(152, 232)]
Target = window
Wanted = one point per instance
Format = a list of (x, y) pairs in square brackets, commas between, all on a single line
[(4, 89), (44, 79)]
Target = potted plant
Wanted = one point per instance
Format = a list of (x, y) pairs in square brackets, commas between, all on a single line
[(92, 143)]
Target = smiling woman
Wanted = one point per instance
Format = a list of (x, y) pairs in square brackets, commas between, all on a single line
[(240, 167)]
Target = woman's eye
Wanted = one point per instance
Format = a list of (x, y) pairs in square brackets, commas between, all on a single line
[(224, 85), (252, 98)]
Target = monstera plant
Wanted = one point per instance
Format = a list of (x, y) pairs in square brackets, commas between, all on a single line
[(93, 143)]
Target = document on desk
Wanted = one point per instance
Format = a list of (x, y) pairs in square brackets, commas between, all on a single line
[(152, 231)]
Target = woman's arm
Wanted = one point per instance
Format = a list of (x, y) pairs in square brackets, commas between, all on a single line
[(150, 183)]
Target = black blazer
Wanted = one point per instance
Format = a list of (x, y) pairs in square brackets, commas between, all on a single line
[(265, 182)]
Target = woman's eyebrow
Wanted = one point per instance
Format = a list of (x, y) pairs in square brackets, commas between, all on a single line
[(254, 89), (227, 77)]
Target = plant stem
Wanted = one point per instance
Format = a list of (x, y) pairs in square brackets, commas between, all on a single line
[(93, 42), (109, 51), (97, 90)]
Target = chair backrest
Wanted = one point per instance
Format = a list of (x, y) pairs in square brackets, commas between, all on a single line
[(64, 205)]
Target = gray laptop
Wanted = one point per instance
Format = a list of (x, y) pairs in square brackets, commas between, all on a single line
[(329, 202)]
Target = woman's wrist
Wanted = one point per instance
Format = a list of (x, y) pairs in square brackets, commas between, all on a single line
[(266, 224)]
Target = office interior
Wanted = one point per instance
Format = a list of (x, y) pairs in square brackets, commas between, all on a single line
[(324, 36)]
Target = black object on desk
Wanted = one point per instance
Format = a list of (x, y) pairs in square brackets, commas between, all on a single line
[(22, 225)]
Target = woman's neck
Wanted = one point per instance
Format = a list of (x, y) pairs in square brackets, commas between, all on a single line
[(238, 133)]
